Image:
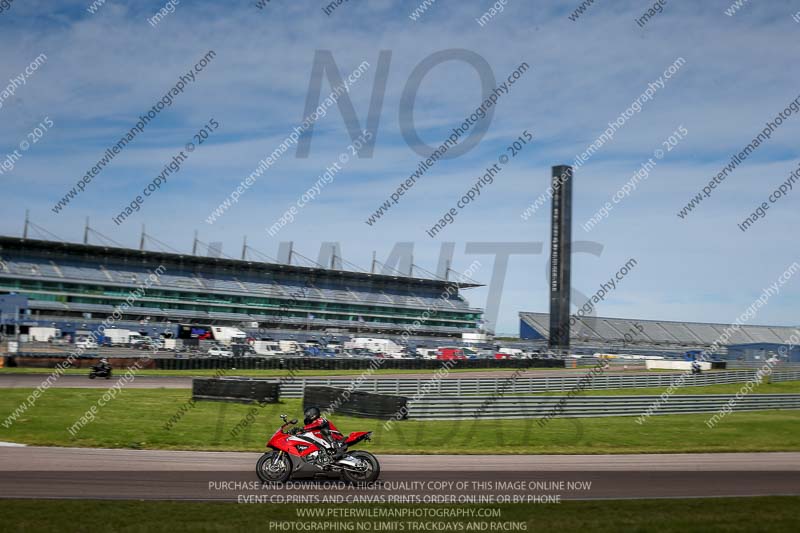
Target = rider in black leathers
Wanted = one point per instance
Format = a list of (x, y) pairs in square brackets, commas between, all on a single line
[(315, 421), (103, 367)]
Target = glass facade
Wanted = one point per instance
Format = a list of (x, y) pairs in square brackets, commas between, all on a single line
[(273, 298)]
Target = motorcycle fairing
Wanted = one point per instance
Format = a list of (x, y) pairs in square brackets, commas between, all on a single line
[(357, 436)]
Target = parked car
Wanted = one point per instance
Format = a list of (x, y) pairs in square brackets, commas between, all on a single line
[(218, 351), (136, 340), (427, 353), (87, 343), (449, 353), (359, 353), (243, 350), (149, 344), (316, 351)]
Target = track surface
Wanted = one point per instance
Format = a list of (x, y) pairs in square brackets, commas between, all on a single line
[(29, 381), (40, 472)]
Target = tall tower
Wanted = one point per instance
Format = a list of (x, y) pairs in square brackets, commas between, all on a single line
[(560, 257)]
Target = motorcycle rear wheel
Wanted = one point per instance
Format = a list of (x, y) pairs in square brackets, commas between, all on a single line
[(369, 475), (270, 470)]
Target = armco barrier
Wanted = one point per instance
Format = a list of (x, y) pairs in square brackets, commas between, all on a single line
[(755, 365), (467, 407), (775, 377), (353, 403), (458, 386), (633, 364), (236, 390)]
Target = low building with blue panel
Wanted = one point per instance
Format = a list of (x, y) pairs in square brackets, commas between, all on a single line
[(746, 342)]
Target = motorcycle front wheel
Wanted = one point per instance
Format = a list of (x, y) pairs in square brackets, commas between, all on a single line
[(371, 471), (91, 375), (273, 467)]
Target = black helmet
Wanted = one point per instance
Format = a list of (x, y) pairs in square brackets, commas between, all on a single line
[(311, 414)]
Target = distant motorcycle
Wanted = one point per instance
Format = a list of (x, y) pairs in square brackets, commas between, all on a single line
[(100, 372), (298, 450)]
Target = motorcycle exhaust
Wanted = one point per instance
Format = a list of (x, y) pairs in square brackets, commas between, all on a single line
[(349, 463)]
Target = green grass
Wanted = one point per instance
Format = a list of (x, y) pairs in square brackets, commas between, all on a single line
[(764, 514), (136, 419)]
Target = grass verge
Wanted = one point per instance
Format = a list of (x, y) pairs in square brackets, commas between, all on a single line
[(767, 514), (137, 418)]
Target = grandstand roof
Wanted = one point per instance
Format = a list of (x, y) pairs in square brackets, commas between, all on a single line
[(659, 332), (92, 252)]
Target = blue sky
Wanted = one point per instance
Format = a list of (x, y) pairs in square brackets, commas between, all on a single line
[(105, 69)]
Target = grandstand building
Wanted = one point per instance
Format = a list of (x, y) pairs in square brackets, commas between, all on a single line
[(76, 286), (663, 335)]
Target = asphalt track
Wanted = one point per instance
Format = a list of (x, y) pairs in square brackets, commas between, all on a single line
[(30, 381), (86, 473)]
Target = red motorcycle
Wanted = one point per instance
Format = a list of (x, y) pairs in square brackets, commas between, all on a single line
[(301, 451)]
